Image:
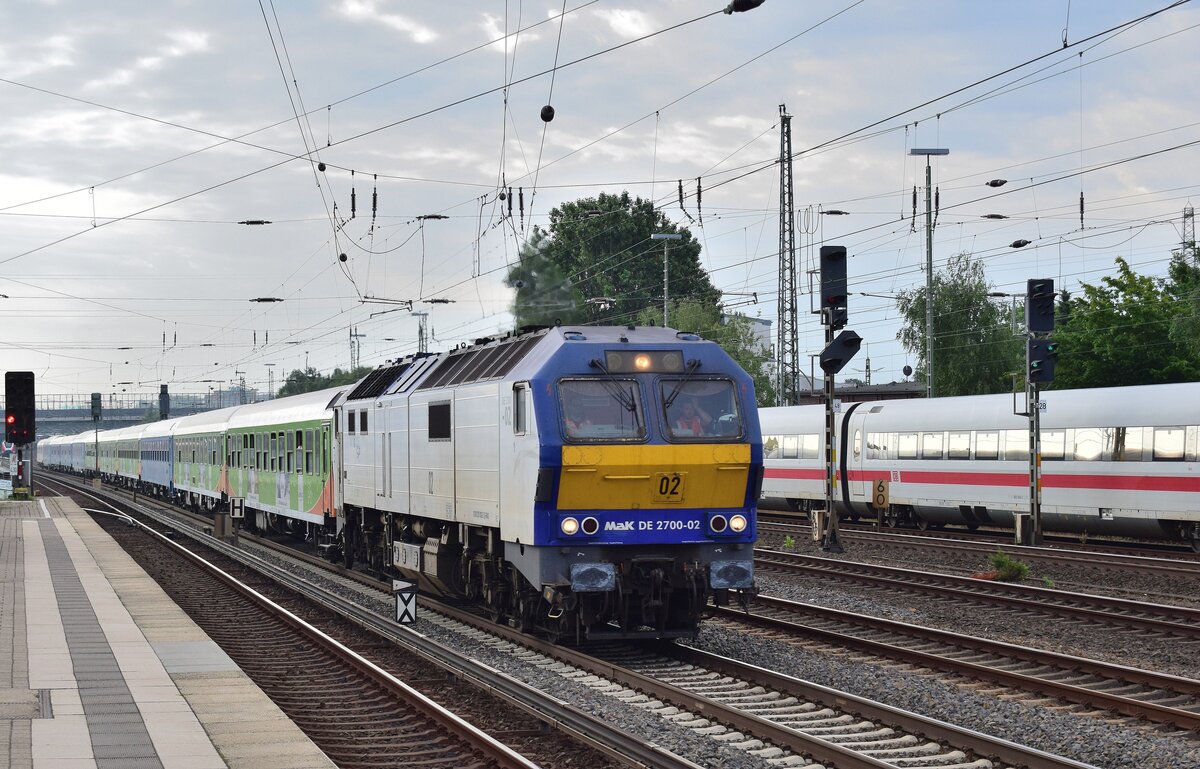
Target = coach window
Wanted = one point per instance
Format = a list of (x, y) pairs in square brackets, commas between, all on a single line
[(299, 451), (350, 415), (308, 451), (791, 446), (1090, 443), (362, 422), (1054, 445), (1168, 444), (987, 445), (959, 446), (907, 444), (290, 450), (1016, 444), (771, 447)]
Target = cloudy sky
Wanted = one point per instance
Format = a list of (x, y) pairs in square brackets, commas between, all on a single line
[(136, 136)]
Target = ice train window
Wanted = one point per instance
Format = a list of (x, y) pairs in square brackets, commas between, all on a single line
[(907, 444), (931, 445), (1016, 444), (1054, 444), (1193, 443), (810, 446), (857, 444), (1168, 444), (791, 446), (771, 447), (1128, 444), (1090, 443), (959, 446)]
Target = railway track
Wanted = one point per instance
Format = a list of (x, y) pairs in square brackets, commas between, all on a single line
[(1139, 694), (776, 717), (1024, 600), (1179, 565), (343, 712), (357, 713)]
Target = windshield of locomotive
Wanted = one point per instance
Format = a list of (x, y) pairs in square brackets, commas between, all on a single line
[(602, 409), (701, 408)]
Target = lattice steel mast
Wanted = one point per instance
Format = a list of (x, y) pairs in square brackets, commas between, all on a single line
[(788, 347)]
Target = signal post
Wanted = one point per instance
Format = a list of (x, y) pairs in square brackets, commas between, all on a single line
[(837, 353), (1041, 354)]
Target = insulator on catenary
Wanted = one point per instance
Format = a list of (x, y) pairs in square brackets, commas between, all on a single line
[(699, 210), (353, 197), (521, 205), (375, 197), (510, 198)]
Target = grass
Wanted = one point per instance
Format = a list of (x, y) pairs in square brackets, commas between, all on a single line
[(1008, 569), (789, 543)]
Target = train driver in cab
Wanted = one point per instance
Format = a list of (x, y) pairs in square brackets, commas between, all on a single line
[(692, 420)]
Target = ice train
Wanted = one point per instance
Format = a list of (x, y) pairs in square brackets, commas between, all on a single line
[(1120, 461)]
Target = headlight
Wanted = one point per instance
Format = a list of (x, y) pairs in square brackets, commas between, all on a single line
[(642, 362), (569, 526), (737, 523), (717, 523), (590, 526)]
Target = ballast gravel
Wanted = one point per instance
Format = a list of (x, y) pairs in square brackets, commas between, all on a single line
[(1090, 740)]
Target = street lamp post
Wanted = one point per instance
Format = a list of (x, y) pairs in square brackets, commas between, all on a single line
[(928, 262), (666, 238)]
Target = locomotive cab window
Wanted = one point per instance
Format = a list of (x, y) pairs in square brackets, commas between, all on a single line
[(607, 409), (701, 408)]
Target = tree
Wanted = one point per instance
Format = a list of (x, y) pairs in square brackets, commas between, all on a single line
[(732, 331), (545, 295), (607, 261), (311, 380), (1183, 288), (974, 349), (1124, 331)]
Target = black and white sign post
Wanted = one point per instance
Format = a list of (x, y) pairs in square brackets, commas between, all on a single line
[(406, 601)]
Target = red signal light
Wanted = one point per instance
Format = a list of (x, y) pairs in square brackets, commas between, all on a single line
[(10, 419)]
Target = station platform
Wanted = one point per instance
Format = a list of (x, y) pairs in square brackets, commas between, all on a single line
[(99, 669)]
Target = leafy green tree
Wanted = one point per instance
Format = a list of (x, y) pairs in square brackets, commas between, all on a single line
[(602, 248), (733, 332), (974, 349), (1183, 288), (545, 295), (1124, 332), (311, 380)]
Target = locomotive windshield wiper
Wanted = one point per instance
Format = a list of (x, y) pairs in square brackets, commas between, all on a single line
[(628, 402), (692, 365)]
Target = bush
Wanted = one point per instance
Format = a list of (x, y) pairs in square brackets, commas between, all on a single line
[(789, 543), (1008, 569)]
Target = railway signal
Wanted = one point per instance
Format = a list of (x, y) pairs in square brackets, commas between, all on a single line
[(838, 353), (1039, 305), (1041, 355), (833, 286), (20, 417)]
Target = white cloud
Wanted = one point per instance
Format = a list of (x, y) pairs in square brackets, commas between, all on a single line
[(18, 61), (179, 44), (627, 23), (369, 11)]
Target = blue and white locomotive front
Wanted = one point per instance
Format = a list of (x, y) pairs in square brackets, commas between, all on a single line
[(649, 469)]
